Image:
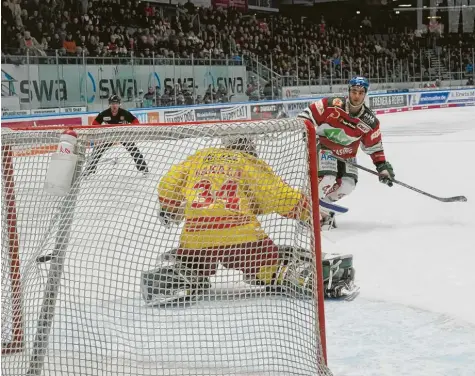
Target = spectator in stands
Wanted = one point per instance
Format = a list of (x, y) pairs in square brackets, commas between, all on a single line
[(470, 81), (69, 44), (30, 44), (7, 14), (270, 91), (366, 24), (149, 98), (16, 12), (166, 100)]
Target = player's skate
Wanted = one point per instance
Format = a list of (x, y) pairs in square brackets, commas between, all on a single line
[(328, 221), (90, 171), (145, 172), (172, 283)]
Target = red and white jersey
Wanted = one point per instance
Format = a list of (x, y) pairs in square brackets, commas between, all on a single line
[(343, 133)]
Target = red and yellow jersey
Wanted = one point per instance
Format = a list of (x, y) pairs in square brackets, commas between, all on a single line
[(223, 191), (343, 133)]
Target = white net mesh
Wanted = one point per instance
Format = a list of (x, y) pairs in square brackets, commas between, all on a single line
[(83, 311)]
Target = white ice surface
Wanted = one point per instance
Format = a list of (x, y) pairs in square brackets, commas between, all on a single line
[(414, 256)]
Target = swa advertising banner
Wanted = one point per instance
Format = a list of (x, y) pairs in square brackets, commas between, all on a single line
[(94, 84)]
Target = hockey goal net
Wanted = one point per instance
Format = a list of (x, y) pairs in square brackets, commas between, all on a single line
[(72, 301)]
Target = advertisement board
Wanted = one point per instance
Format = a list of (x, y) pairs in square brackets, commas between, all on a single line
[(73, 109), (234, 113), (150, 117), (267, 111), (44, 86), (179, 116), (292, 109), (295, 92), (388, 101), (16, 113), (462, 96), (40, 111), (381, 104), (426, 98), (207, 114), (57, 122)]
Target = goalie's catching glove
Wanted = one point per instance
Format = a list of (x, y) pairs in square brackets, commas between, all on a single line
[(386, 173)]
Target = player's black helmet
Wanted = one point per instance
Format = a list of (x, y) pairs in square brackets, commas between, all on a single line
[(114, 99)]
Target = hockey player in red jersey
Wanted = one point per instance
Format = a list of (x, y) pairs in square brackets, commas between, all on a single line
[(343, 124)]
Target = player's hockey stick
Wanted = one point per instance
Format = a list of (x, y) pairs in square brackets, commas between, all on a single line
[(441, 199), (333, 207)]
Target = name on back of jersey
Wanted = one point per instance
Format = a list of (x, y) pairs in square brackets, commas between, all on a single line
[(219, 170)]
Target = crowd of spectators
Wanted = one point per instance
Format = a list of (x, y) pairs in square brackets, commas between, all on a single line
[(299, 52), (178, 96)]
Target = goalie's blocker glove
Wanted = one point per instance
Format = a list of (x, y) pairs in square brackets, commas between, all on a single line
[(171, 216), (386, 173), (164, 217)]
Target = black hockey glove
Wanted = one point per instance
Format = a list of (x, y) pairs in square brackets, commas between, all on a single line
[(171, 217), (165, 217), (386, 173)]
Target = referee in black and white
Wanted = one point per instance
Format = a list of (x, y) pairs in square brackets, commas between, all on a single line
[(116, 115)]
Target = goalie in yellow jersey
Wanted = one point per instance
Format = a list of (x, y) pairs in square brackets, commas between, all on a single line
[(219, 192)]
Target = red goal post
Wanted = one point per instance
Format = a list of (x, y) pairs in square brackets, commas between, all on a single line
[(71, 315)]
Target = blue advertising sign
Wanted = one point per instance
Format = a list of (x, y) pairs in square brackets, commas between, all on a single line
[(433, 97)]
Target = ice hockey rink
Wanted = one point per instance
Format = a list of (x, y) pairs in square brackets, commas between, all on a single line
[(413, 255), (414, 260)]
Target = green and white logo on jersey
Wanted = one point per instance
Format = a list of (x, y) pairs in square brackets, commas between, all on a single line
[(339, 136)]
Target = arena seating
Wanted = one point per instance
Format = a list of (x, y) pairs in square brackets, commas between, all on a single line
[(299, 53)]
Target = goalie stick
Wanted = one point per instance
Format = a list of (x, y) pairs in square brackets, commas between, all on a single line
[(441, 199)]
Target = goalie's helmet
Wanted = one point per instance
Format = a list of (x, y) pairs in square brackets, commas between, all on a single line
[(359, 81), (241, 143)]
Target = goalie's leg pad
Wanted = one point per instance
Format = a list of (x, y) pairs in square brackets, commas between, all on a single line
[(171, 282), (338, 276), (298, 271), (291, 274)]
